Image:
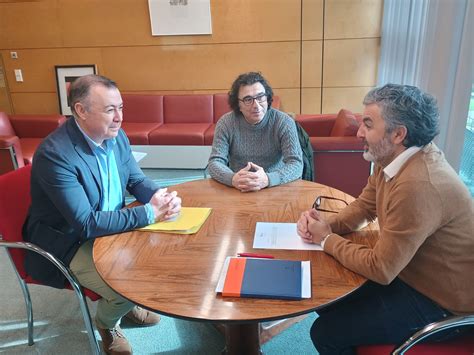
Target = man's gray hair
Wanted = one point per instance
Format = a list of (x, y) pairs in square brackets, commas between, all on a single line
[(80, 89), (405, 105)]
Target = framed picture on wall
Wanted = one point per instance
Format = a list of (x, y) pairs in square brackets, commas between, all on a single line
[(65, 75), (180, 17)]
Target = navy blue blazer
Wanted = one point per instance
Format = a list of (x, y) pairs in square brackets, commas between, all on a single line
[(66, 192)]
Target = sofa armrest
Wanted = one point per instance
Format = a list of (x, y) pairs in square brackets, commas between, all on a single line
[(339, 163), (35, 126), (317, 125), (337, 144), (11, 156), (8, 141)]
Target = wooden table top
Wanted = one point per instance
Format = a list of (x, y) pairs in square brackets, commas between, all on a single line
[(177, 275)]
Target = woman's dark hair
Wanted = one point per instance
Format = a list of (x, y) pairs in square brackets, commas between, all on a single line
[(244, 80), (405, 105)]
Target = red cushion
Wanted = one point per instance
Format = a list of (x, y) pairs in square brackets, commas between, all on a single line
[(179, 134), (221, 106), (276, 102), (138, 132), (14, 203), (188, 109), (6, 128), (209, 135), (15, 200), (142, 108), (463, 345), (345, 124), (319, 125), (35, 126), (28, 147)]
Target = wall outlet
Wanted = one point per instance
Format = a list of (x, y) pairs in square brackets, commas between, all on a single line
[(14, 55), (18, 75)]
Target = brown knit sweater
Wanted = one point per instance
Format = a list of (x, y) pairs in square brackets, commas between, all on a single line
[(426, 215)]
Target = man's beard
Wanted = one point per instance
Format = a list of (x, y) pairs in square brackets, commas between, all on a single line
[(381, 152)]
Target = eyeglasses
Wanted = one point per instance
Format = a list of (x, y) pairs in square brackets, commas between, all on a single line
[(318, 202), (248, 100)]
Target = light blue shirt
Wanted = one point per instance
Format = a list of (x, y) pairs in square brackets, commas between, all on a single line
[(112, 198)]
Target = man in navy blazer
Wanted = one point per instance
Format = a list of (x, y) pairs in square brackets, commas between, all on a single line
[(79, 176)]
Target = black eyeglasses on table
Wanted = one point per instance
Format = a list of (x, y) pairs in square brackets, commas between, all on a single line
[(317, 203)]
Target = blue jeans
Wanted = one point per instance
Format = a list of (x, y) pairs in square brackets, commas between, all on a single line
[(374, 314)]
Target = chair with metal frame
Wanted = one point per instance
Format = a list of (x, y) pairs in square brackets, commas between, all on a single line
[(461, 345), (14, 203)]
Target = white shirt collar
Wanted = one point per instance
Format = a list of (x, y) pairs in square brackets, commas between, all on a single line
[(394, 167)]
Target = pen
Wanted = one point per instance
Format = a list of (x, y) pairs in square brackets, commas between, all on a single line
[(253, 255)]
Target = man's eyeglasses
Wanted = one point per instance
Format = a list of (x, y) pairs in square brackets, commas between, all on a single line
[(248, 100), (319, 202)]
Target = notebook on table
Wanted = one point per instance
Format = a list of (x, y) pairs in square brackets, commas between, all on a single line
[(265, 278)]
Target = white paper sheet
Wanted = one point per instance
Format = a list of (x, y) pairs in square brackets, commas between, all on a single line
[(280, 236), (138, 155)]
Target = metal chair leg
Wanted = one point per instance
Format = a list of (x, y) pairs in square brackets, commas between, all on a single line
[(29, 310), (87, 318), (27, 298), (94, 344)]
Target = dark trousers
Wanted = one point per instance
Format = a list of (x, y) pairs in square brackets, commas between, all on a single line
[(374, 314)]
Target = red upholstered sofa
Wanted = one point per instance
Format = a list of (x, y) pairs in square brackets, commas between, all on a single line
[(174, 119), (20, 135), (337, 152)]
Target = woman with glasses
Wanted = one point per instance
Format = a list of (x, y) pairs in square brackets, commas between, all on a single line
[(255, 146)]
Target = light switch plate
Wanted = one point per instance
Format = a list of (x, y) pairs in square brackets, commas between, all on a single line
[(18, 75)]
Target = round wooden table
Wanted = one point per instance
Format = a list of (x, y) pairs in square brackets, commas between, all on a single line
[(176, 275)]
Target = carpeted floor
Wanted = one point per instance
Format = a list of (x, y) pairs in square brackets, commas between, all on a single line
[(59, 328)]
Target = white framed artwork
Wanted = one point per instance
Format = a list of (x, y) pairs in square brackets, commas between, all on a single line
[(180, 17)]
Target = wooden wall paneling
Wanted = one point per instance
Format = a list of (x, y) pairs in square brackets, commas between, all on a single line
[(255, 21), (189, 67), (290, 99), (312, 19), (35, 103), (351, 62), (127, 23), (353, 19), (109, 23), (5, 101), (30, 25), (311, 63), (349, 98), (247, 35), (37, 66), (311, 100)]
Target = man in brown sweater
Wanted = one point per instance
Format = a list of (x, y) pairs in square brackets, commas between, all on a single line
[(420, 270)]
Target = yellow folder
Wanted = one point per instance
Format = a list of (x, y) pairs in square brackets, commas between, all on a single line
[(189, 220)]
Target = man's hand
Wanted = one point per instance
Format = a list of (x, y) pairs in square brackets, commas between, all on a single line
[(166, 205), (251, 178), (312, 228)]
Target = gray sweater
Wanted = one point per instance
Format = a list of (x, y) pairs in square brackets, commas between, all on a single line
[(272, 144)]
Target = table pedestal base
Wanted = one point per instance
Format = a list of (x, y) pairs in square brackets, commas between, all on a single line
[(242, 339)]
